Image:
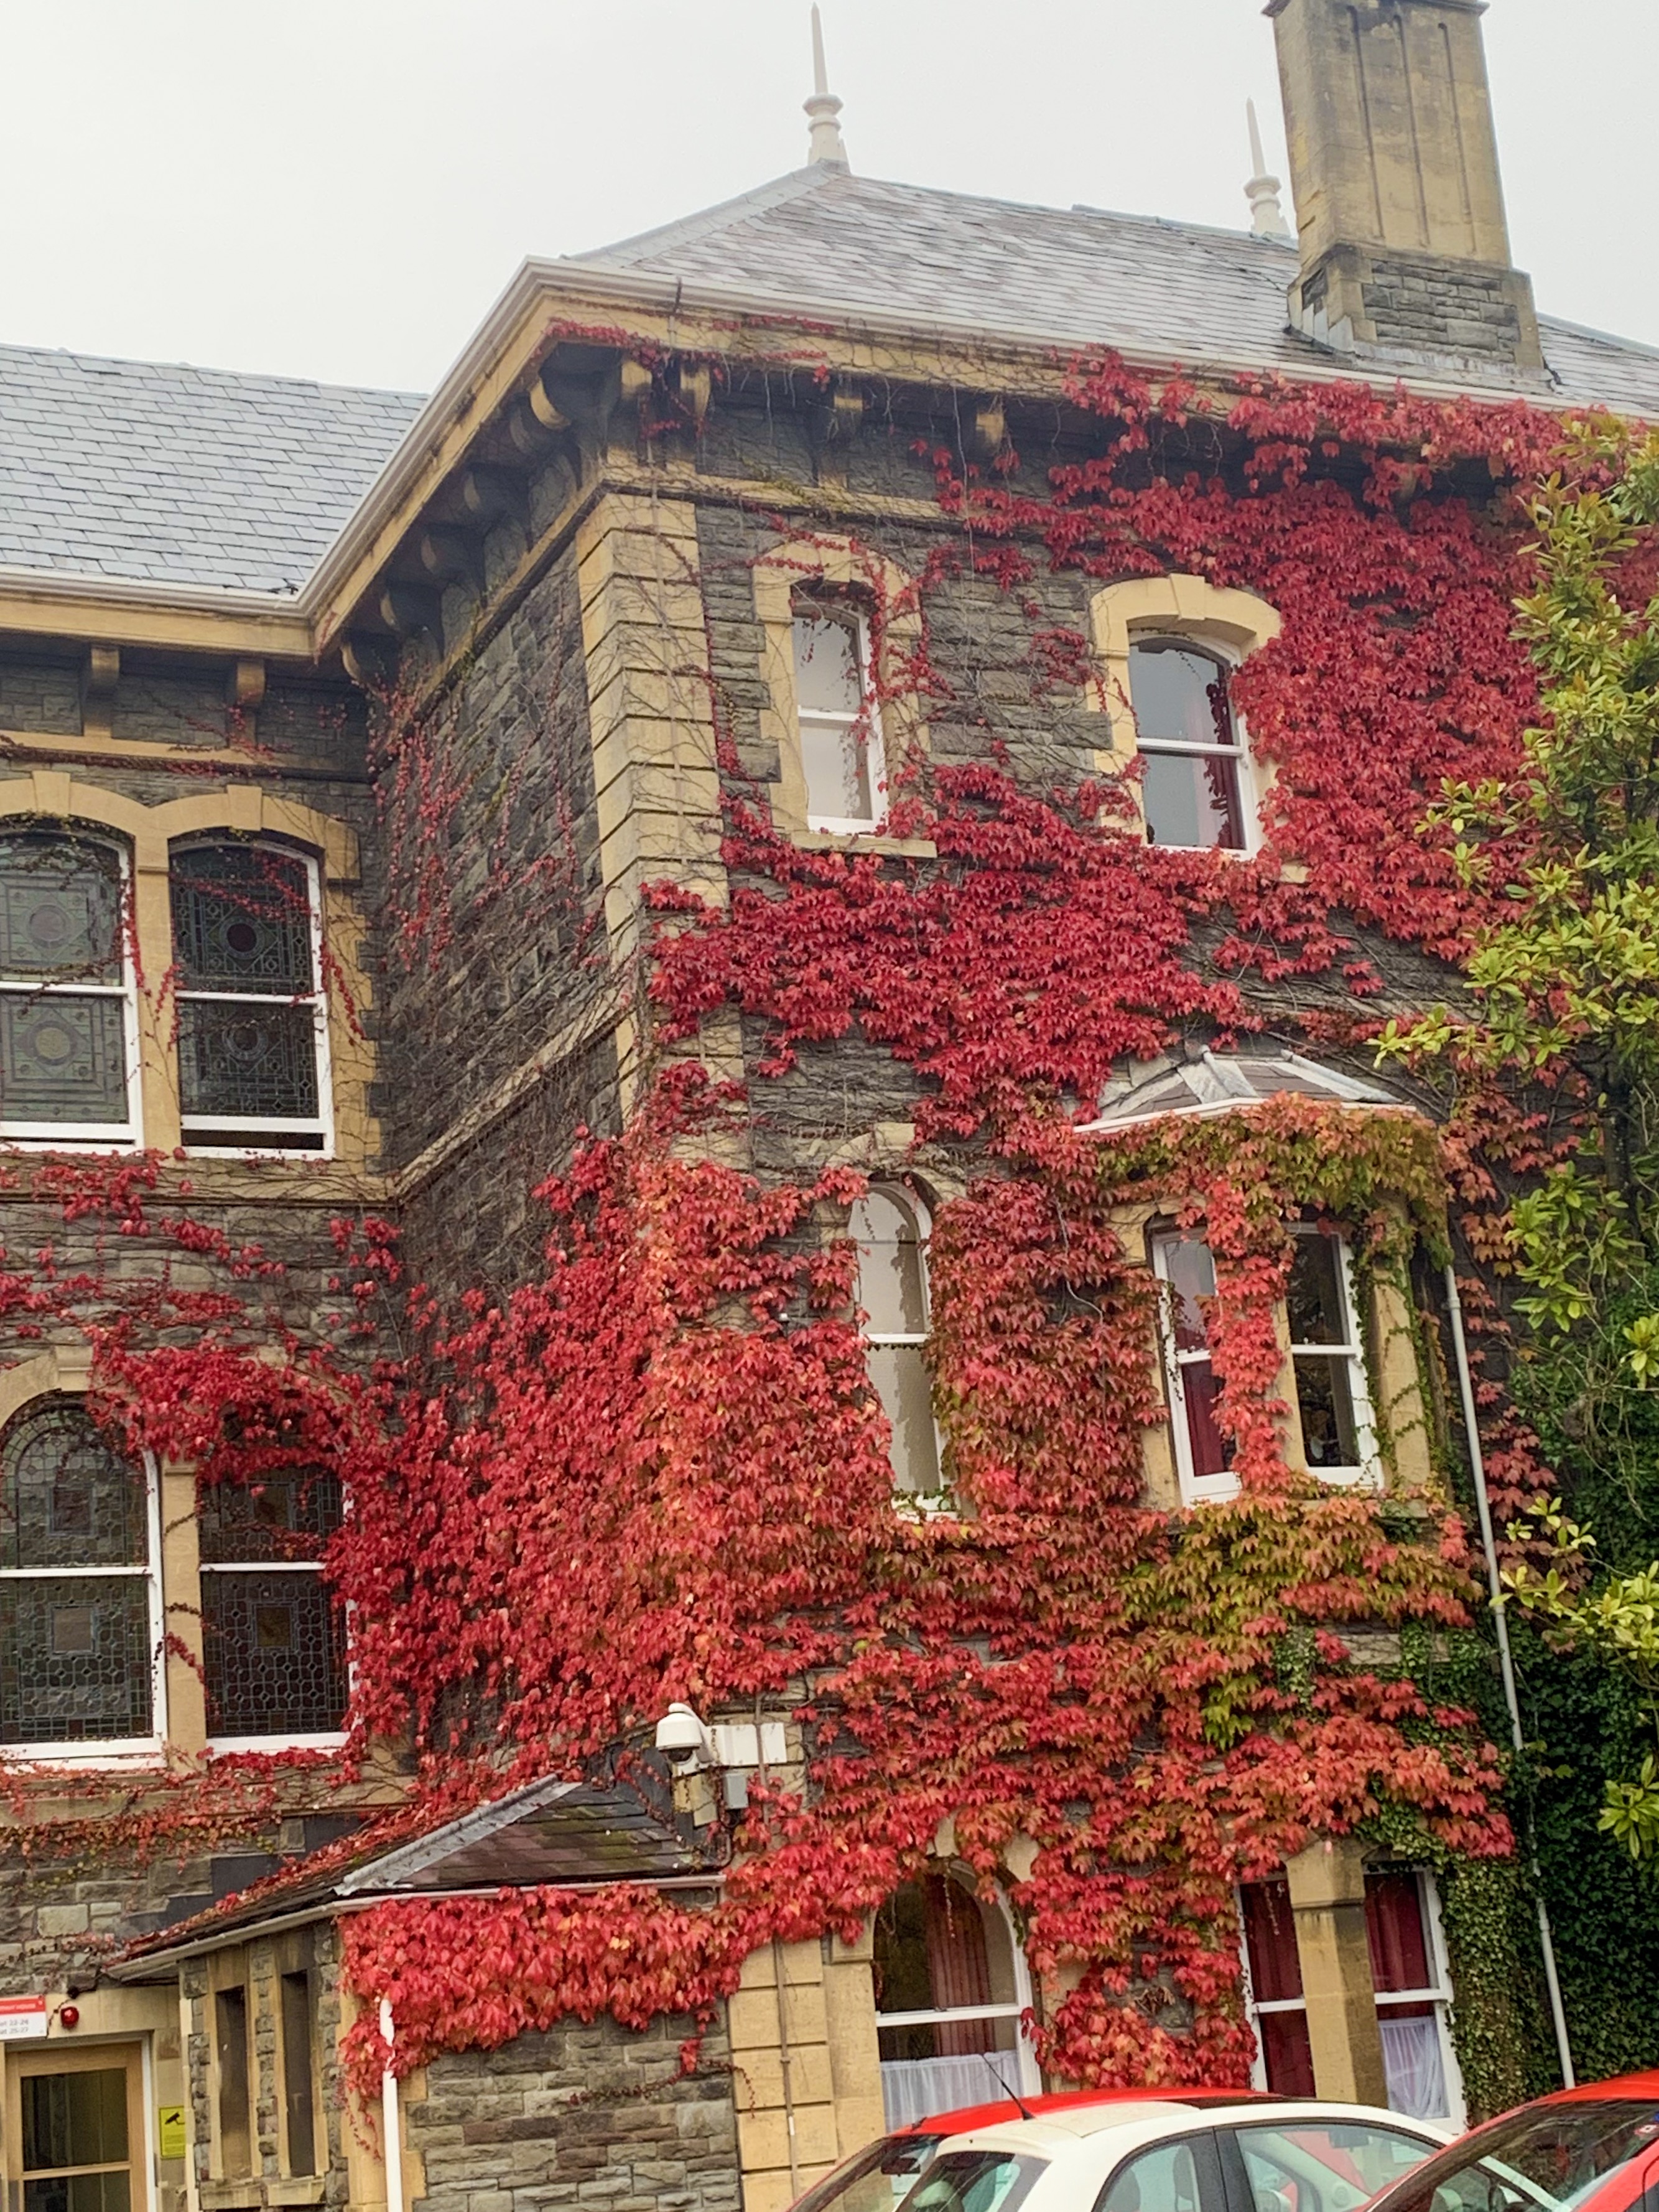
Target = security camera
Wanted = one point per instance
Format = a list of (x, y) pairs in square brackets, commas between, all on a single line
[(683, 1740)]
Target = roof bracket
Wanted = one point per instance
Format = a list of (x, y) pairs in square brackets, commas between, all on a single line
[(100, 671)]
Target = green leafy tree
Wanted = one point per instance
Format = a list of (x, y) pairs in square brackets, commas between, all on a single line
[(1563, 993)]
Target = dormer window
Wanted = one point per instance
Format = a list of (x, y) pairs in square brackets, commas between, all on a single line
[(1192, 755), (839, 734)]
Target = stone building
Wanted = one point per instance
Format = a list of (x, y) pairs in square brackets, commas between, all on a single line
[(660, 532)]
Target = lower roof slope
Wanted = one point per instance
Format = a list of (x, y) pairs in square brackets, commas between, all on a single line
[(157, 472)]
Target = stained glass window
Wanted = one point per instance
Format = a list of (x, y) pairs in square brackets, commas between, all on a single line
[(65, 990), (252, 1012), (78, 1627), (273, 1640)]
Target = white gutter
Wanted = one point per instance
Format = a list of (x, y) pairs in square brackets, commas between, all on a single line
[(1506, 1661), (391, 2126)]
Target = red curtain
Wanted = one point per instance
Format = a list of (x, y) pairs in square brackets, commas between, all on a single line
[(959, 1966)]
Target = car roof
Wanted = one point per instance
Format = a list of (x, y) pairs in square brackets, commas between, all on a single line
[(1639, 2086), (1047, 2133), (966, 2117)]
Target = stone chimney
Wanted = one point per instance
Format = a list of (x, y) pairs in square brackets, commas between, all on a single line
[(1405, 251)]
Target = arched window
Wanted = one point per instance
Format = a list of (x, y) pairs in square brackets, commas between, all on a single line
[(891, 1234), (273, 1641), (839, 733), (67, 1019), (951, 1984), (1192, 757), (252, 1011), (80, 1605)]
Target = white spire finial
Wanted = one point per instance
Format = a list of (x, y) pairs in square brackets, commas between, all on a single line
[(1267, 217), (823, 108)]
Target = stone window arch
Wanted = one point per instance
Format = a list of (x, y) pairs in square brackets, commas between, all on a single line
[(1167, 646)]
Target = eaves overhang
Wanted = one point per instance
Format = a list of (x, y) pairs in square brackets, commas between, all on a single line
[(548, 301)]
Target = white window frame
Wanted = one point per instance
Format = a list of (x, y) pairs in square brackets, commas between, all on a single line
[(1195, 1489), (925, 1502), (1256, 2008), (1027, 2074), (1440, 1996), (93, 1753), (868, 716), (1369, 1470), (100, 1136), (317, 998), (1250, 822)]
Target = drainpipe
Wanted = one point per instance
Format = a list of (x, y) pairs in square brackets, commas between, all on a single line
[(1506, 1661), (390, 2127)]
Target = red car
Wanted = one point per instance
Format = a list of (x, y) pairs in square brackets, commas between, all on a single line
[(874, 2178), (1580, 2150)]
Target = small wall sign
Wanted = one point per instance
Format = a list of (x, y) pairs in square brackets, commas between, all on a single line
[(170, 2130), (21, 2018)]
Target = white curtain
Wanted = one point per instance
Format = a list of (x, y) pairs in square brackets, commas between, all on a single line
[(914, 2089), (1413, 2066)]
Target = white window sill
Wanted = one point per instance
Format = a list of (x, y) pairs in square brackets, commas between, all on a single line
[(247, 1153), (87, 1759), (37, 1139), (232, 1747), (818, 840)]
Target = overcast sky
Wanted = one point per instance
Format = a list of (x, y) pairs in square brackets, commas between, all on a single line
[(339, 188)]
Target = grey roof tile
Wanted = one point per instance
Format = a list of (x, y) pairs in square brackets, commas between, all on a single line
[(185, 476), (824, 239)]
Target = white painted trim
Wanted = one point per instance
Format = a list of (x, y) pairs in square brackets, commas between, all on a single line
[(1369, 1472), (1195, 1489), (1250, 782), (1029, 2081)]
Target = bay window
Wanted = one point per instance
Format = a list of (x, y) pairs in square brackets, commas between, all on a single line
[(252, 1011), (890, 1230), (839, 731), (69, 1046), (79, 1600), (273, 1641), (1203, 1454), (1192, 755), (1332, 1403)]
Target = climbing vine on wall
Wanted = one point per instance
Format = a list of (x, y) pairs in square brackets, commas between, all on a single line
[(658, 1471)]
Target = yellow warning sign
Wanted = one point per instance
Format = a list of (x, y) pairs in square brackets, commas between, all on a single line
[(170, 2130)]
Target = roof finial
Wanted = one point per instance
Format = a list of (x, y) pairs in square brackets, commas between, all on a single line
[(1267, 217), (823, 107)]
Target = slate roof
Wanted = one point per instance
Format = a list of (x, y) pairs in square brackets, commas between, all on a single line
[(151, 470), (824, 241), (191, 477), (564, 1835)]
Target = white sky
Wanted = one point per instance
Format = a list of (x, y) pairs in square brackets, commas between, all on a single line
[(339, 188)]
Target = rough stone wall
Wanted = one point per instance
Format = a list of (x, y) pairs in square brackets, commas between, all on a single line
[(519, 855), (588, 2114)]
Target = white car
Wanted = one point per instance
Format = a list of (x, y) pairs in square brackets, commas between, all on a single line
[(1256, 2155)]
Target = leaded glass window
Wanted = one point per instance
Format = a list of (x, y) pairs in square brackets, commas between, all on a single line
[(273, 1641), (67, 1045), (252, 1035), (79, 1607)]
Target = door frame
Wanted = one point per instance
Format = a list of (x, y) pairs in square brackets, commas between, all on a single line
[(131, 2055)]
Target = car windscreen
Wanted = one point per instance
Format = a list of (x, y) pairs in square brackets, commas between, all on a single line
[(875, 2179), (1546, 2158), (975, 2181)]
